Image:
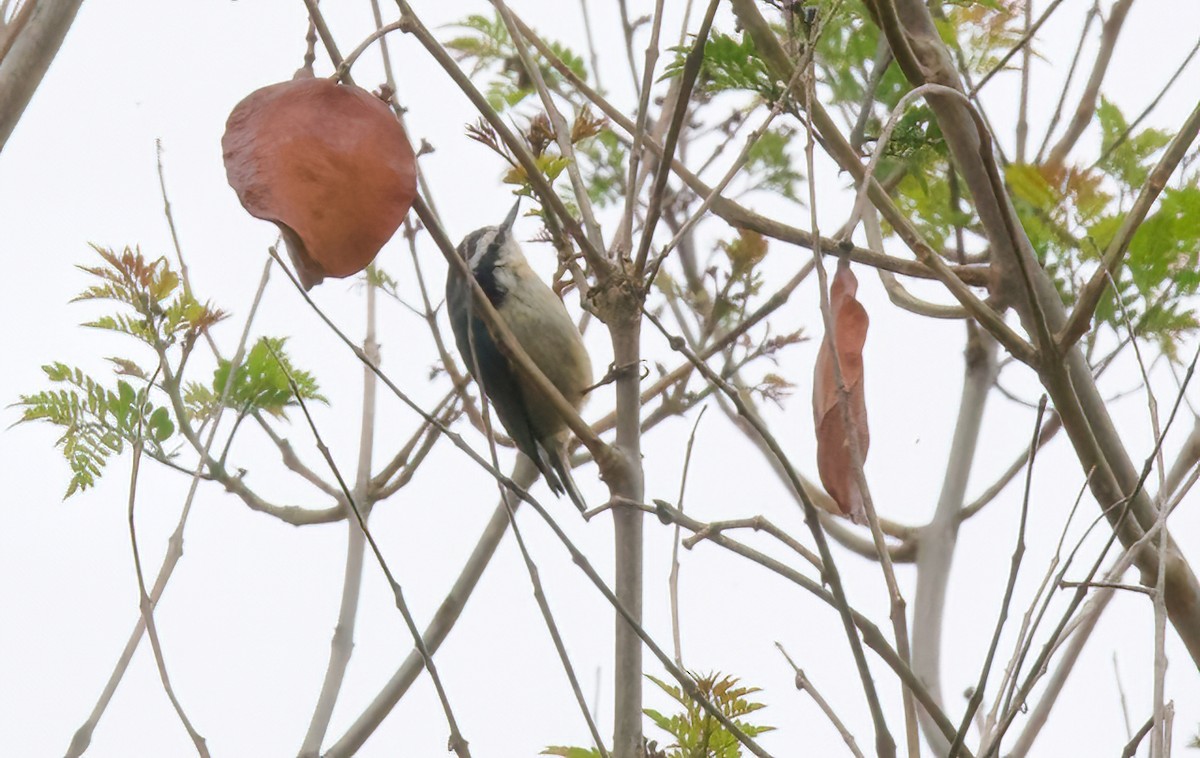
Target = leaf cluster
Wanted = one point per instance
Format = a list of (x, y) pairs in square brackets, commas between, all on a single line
[(487, 46), (160, 312), (1072, 214), (260, 384), (98, 420), (697, 733), (730, 64)]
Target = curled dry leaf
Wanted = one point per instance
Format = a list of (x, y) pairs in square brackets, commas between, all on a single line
[(835, 463), (329, 164)]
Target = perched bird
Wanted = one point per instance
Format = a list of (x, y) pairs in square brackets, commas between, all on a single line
[(539, 321)]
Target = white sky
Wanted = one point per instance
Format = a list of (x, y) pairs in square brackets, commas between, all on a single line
[(247, 618)]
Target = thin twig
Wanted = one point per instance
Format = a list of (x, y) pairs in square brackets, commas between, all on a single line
[(457, 743), (758, 524), (83, 736), (591, 41), (1149, 591), (1121, 693), (1132, 746), (687, 79), (1022, 45), (1091, 16), (343, 69), (624, 239), (146, 605), (1124, 135), (883, 738), (1014, 567), (804, 684), (673, 578), (811, 518), (1087, 101)]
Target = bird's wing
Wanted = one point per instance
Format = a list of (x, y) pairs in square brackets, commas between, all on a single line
[(497, 376)]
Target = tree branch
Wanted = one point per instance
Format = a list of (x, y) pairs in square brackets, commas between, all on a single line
[(30, 46)]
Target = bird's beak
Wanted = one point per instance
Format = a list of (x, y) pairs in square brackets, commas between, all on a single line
[(511, 218)]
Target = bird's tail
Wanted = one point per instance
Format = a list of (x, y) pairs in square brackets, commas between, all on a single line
[(558, 475)]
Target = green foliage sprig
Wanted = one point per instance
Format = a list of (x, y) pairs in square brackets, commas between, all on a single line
[(697, 733), (156, 309), (487, 46)]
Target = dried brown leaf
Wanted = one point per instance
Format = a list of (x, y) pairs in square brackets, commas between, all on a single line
[(835, 462), (329, 164)]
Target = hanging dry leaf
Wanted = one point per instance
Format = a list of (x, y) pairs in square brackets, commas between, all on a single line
[(329, 164), (834, 460)]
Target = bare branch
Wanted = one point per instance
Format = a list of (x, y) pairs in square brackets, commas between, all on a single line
[(1087, 101), (805, 685), (1015, 565), (146, 606), (457, 743), (28, 47), (673, 578), (447, 614)]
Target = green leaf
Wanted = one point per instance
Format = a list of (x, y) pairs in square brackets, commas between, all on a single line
[(160, 425), (96, 422), (261, 383), (697, 733), (1128, 157), (487, 47), (729, 64), (770, 166), (1028, 183), (571, 752)]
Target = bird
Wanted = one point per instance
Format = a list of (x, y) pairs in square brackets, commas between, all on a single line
[(541, 324)]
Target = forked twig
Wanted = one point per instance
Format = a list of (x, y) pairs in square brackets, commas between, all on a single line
[(146, 605), (457, 743), (1015, 565)]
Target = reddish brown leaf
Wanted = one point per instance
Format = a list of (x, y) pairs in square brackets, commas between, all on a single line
[(834, 453), (329, 164)]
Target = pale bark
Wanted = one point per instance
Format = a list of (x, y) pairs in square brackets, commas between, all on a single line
[(29, 56)]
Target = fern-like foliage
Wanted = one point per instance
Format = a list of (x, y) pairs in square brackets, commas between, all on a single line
[(697, 733), (487, 47), (161, 312), (730, 63), (260, 384), (97, 421), (1072, 214)]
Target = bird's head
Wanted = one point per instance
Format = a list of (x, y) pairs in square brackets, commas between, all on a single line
[(492, 245)]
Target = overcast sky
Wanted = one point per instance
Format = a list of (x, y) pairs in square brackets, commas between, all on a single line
[(247, 619)]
